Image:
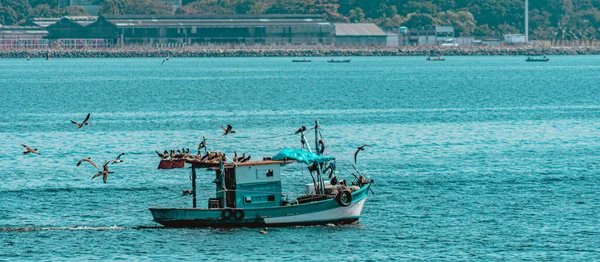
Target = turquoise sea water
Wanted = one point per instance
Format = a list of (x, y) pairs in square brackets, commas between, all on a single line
[(474, 158)]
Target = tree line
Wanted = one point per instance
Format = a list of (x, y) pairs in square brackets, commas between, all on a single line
[(549, 19)]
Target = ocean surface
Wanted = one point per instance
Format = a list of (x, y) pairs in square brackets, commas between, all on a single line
[(474, 158)]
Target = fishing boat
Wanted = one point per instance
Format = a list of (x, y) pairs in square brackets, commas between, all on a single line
[(437, 58), (339, 61), (533, 59), (301, 61), (249, 193)]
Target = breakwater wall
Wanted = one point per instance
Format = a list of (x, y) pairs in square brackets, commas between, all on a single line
[(300, 52)]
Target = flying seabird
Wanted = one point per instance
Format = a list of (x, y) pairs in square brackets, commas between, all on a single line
[(302, 129), (89, 160), (104, 173), (187, 192), (228, 130), (358, 149), (118, 159), (30, 150), (166, 59), (84, 123)]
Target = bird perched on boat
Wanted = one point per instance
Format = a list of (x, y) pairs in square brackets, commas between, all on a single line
[(240, 158), (302, 129), (104, 173), (235, 156), (179, 155), (264, 231), (30, 150), (164, 155), (89, 160), (187, 192), (84, 123), (245, 159), (118, 159), (166, 59), (358, 149), (205, 157), (228, 130)]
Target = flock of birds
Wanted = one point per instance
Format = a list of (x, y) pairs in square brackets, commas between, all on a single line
[(183, 154), (104, 172), (212, 156)]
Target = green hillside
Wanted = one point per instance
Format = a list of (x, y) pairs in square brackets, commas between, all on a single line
[(549, 19)]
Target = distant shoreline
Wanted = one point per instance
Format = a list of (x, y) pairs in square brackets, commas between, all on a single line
[(300, 52)]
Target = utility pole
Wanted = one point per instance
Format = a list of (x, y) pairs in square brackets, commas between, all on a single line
[(526, 22)]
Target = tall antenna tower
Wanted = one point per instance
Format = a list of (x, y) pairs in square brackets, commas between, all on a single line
[(526, 22)]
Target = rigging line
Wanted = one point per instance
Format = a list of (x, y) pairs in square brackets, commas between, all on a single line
[(333, 146)]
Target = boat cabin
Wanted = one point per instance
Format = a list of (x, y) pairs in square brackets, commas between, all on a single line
[(246, 185)]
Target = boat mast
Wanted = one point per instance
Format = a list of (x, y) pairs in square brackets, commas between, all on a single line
[(222, 169), (305, 143), (193, 187), (318, 151)]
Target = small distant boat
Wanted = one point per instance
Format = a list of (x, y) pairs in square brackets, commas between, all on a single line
[(301, 61), (533, 59), (339, 61), (437, 58)]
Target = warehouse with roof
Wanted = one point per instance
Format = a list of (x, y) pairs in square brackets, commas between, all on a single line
[(209, 30), (359, 35)]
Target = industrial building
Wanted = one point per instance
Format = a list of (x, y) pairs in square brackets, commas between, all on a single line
[(426, 36), (209, 30), (349, 35), (22, 37), (195, 31)]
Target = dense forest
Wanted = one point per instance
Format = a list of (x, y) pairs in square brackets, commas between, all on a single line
[(549, 19)]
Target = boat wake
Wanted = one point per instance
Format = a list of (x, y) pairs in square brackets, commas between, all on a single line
[(91, 228)]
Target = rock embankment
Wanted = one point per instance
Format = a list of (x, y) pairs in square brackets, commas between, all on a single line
[(300, 52)]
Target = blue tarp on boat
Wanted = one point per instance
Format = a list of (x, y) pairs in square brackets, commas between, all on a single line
[(301, 156)]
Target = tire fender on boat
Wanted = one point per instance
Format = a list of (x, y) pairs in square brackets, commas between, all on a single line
[(226, 214), (344, 198), (238, 214), (322, 146)]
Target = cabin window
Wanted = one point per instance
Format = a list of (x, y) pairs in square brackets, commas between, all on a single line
[(259, 199), (270, 173)]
